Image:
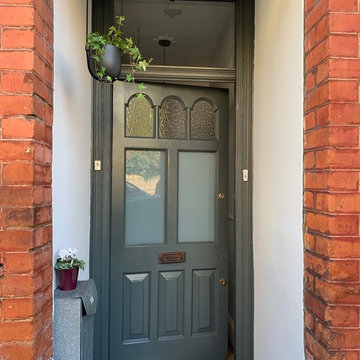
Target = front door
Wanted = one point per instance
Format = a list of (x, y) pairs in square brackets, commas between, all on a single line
[(168, 291)]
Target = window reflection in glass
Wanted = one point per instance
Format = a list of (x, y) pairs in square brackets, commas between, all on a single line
[(144, 197)]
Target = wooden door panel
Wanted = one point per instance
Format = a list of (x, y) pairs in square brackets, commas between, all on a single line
[(136, 307), (203, 301), (177, 310), (171, 304)]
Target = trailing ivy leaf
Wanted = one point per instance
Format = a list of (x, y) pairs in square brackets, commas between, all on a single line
[(129, 41), (140, 95), (141, 87), (129, 77), (112, 29), (108, 78), (119, 20), (143, 65)]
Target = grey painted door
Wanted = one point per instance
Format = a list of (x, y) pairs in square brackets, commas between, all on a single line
[(168, 297)]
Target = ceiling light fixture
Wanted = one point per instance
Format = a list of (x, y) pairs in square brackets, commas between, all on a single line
[(165, 37), (164, 41), (172, 12)]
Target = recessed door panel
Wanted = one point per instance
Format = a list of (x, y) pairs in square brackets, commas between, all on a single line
[(136, 307), (203, 301), (171, 303)]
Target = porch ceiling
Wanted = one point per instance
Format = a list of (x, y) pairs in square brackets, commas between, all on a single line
[(198, 28)]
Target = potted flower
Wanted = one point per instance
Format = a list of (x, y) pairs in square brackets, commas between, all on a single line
[(68, 265), (104, 52)]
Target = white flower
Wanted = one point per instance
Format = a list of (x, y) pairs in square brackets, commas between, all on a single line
[(66, 254), (63, 253)]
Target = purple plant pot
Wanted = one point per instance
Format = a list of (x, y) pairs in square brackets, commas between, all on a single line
[(68, 279)]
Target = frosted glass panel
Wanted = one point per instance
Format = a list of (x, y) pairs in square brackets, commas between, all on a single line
[(196, 197), (144, 197), (139, 118)]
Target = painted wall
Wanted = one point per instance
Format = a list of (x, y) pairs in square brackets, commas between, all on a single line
[(278, 126), (72, 132), (226, 43)]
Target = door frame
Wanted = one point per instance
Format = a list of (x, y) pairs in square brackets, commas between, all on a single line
[(101, 184)]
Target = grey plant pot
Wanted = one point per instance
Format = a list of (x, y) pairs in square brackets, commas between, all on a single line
[(111, 60)]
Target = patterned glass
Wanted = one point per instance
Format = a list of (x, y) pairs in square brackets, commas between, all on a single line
[(172, 119), (203, 121), (139, 118)]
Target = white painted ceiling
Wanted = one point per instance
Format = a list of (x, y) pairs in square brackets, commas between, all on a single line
[(199, 32)]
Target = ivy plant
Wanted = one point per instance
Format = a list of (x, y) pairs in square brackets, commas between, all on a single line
[(115, 36)]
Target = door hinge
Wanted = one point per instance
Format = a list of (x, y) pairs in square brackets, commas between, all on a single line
[(245, 173), (97, 165)]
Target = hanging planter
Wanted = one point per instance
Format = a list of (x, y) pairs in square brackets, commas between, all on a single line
[(110, 60), (104, 53)]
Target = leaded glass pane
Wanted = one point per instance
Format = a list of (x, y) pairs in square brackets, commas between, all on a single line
[(139, 118), (172, 119), (203, 121)]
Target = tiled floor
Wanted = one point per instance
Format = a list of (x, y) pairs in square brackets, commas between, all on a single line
[(230, 353), (230, 356)]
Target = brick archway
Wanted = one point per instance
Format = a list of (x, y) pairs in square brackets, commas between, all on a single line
[(331, 179)]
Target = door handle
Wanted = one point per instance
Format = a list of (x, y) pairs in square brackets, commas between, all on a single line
[(222, 282)]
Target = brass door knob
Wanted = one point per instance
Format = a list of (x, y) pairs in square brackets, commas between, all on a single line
[(222, 282), (221, 196)]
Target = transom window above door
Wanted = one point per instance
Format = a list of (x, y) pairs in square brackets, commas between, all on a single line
[(198, 33), (170, 119)]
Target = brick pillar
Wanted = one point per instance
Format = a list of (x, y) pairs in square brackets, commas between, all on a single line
[(331, 180), (26, 65)]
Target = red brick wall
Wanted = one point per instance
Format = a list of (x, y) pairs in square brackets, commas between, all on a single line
[(331, 180), (26, 65)]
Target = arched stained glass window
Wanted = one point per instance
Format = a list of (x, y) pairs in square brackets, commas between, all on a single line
[(172, 119), (203, 121), (139, 118)]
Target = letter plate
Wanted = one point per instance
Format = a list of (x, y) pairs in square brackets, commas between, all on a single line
[(172, 257)]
